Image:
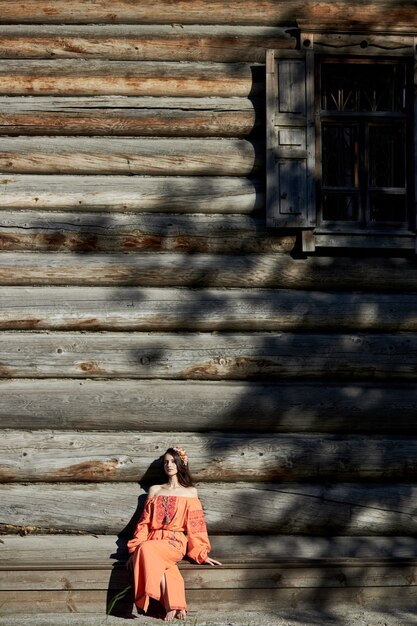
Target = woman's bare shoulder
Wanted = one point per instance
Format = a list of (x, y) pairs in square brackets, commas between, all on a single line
[(189, 492), (154, 490)]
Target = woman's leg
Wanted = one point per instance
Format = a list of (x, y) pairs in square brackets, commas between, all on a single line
[(157, 576), (164, 596)]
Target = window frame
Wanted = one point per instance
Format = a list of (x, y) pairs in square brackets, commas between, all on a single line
[(363, 122), (313, 48)]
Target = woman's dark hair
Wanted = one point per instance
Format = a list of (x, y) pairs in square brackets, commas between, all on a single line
[(184, 477)]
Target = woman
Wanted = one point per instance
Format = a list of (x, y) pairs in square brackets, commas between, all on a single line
[(159, 542)]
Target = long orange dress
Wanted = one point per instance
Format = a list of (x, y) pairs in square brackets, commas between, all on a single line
[(159, 543)]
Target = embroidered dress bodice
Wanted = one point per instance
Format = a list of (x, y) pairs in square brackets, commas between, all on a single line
[(176, 518)]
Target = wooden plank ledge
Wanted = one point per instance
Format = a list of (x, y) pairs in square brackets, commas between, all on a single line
[(303, 572)]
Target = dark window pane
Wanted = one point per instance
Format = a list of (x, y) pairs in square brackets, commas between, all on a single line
[(387, 207), (340, 206), (338, 155), (386, 156), (363, 141), (363, 87)]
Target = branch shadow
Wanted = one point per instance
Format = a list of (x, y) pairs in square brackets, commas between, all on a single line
[(273, 400)]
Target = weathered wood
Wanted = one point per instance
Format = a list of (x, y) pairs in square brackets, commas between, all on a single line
[(228, 577), (41, 551), (131, 116), (288, 508), (393, 275), (218, 406), (48, 456), (131, 193), (119, 232), (142, 406), (128, 78), (395, 597), (352, 43), (209, 356), (372, 15), (68, 104), (167, 157), (155, 309), (400, 242), (176, 42)]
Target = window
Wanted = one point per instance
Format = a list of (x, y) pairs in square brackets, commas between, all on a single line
[(340, 130), (361, 143)]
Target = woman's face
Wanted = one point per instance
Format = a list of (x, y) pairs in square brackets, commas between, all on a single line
[(170, 466)]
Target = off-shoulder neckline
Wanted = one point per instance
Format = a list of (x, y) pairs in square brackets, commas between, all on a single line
[(173, 496)]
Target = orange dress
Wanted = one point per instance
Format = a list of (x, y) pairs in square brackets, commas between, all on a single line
[(159, 543)]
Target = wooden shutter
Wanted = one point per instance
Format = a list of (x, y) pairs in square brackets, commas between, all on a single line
[(414, 156), (290, 139)]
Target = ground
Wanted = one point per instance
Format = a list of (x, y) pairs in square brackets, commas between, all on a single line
[(336, 617)]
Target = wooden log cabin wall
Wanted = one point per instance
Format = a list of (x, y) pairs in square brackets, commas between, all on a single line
[(145, 303)]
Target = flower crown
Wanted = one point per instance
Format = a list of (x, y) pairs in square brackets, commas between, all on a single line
[(182, 454)]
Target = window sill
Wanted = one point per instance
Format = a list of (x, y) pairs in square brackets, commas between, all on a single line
[(376, 240)]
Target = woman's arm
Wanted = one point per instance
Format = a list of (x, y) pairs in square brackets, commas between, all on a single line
[(143, 526), (198, 541)]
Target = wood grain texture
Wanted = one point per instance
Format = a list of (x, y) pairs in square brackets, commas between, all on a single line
[(228, 577), (131, 116), (85, 551), (174, 42), (128, 78), (394, 597), (209, 356), (156, 309), (44, 231), (50, 456), (251, 12), (347, 509), (131, 193), (111, 155), (67, 104), (353, 43), (143, 406), (386, 275)]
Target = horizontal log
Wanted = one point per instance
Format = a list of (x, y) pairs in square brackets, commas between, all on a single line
[(48, 456), (110, 155), (120, 232), (229, 577), (131, 116), (388, 275), (141, 406), (356, 602), (226, 44), (131, 193), (372, 15), (86, 551), (209, 356), (155, 309), (344, 509), (76, 77), (78, 105)]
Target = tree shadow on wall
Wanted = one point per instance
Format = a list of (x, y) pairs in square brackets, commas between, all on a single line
[(279, 386), (295, 380)]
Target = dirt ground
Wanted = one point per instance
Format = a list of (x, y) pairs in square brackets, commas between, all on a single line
[(336, 617)]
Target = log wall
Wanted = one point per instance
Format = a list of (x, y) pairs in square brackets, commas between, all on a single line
[(144, 303)]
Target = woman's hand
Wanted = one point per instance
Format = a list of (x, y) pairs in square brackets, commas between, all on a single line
[(210, 561)]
